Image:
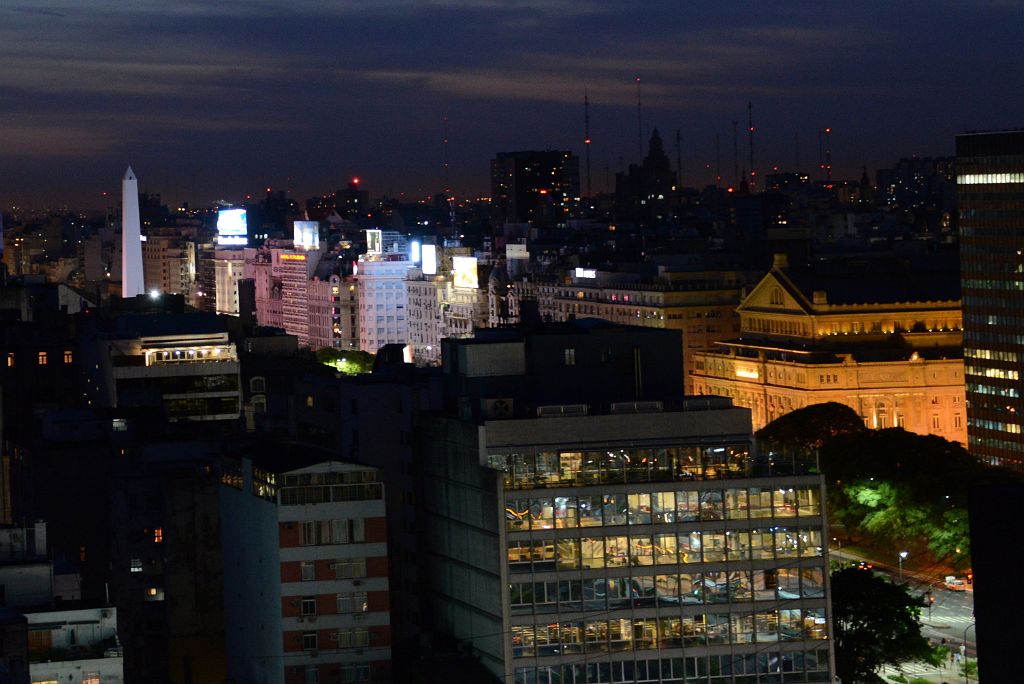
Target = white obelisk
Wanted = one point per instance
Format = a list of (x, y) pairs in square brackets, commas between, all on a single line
[(132, 282)]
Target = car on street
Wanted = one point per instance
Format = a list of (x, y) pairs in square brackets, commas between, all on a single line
[(954, 583)]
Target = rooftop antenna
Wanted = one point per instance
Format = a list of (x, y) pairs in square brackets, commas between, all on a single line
[(639, 120), (796, 142), (718, 160), (447, 184), (586, 139), (828, 153), (750, 128), (679, 159), (735, 155), (821, 152)]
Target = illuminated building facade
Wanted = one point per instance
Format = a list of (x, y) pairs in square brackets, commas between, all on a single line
[(616, 541), (884, 342), (451, 304), (334, 575), (383, 302), (228, 269), (169, 264), (292, 293), (700, 304), (183, 365), (990, 182)]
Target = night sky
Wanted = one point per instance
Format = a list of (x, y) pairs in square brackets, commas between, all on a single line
[(213, 100)]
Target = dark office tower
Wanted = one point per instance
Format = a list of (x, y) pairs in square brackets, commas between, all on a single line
[(643, 195), (990, 184), (539, 188)]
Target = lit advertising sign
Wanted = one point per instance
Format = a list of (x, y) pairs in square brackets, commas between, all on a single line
[(516, 251), (414, 251), (293, 257), (586, 272), (374, 242), (307, 234), (465, 272), (231, 227), (429, 255)]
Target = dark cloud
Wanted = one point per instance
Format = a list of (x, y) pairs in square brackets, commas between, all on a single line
[(215, 99)]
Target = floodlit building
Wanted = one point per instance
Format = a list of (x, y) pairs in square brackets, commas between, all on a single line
[(589, 523), (229, 268), (882, 339), (334, 574), (990, 175), (383, 302), (169, 264), (183, 365)]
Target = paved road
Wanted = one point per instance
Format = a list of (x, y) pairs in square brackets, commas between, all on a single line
[(952, 613)]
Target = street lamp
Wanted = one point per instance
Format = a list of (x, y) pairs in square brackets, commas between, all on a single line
[(903, 557), (964, 642), (839, 549)]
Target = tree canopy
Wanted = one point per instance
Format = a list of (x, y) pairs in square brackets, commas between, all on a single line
[(875, 623), (904, 489), (348, 361), (813, 426)]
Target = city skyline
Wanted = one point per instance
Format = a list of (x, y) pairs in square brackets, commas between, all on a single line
[(215, 101)]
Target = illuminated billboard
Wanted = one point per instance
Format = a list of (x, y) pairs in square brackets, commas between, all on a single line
[(231, 227), (586, 272), (307, 235), (516, 251), (374, 242), (465, 272), (414, 251), (429, 255)]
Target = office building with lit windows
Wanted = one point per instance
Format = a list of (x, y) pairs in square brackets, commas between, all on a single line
[(624, 534), (990, 186)]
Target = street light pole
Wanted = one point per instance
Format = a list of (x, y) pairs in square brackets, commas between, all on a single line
[(903, 556), (839, 550), (964, 642)]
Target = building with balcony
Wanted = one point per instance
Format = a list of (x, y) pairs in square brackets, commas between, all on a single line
[(75, 645), (334, 574), (881, 337), (183, 365), (623, 534)]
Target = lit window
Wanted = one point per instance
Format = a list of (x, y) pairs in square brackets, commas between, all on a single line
[(158, 535), (10, 360), (91, 678), (309, 401), (67, 357), (570, 357), (136, 565), (42, 358)]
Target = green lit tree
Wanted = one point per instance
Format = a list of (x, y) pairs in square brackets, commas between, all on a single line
[(875, 623), (348, 361)]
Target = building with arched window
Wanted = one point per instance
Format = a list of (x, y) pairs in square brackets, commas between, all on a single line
[(881, 336)]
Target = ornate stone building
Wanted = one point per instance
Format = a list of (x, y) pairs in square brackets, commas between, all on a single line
[(884, 338)]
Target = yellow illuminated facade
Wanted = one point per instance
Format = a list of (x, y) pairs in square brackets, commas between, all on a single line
[(897, 364)]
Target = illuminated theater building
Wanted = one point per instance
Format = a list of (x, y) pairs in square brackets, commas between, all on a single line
[(591, 524), (883, 338)]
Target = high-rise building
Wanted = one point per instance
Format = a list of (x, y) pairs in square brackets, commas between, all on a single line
[(990, 179), (539, 188), (334, 574), (169, 264), (132, 279), (589, 523)]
